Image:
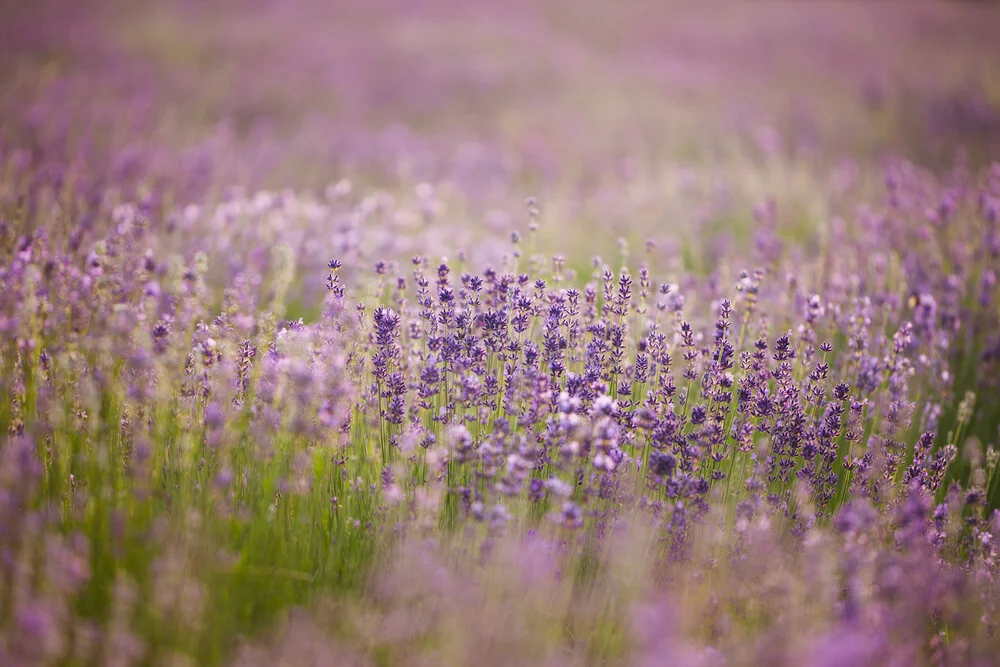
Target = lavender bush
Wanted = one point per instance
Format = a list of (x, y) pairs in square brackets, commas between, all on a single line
[(528, 400)]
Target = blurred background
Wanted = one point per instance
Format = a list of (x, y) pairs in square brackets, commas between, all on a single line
[(564, 98)]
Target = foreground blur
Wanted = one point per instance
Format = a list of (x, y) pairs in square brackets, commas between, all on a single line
[(498, 333)]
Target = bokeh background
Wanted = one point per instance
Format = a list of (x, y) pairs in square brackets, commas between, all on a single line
[(633, 121), (630, 121), (520, 93)]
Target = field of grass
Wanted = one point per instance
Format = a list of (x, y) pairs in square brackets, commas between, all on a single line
[(531, 332)]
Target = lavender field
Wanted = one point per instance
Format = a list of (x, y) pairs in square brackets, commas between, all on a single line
[(481, 333)]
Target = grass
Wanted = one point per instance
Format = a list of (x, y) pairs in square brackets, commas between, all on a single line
[(213, 458)]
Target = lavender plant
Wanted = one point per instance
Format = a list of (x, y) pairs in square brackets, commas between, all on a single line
[(402, 421)]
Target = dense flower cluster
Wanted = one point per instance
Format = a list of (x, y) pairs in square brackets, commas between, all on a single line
[(401, 420), (817, 416)]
